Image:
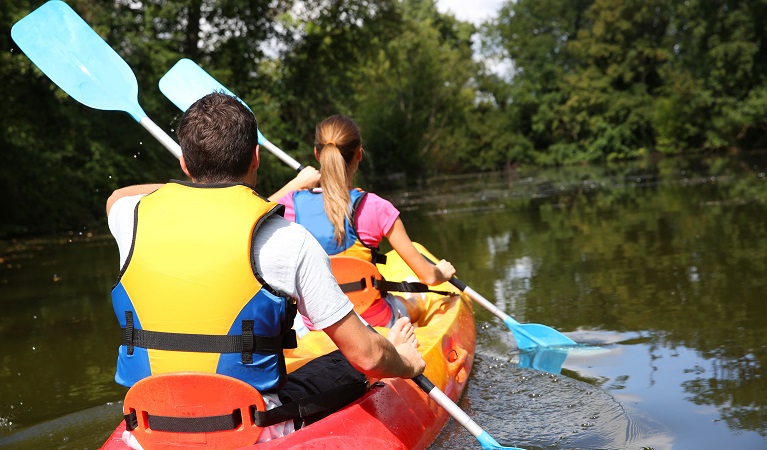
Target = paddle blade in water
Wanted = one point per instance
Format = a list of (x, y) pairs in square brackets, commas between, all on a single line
[(73, 56), (532, 335), (547, 359)]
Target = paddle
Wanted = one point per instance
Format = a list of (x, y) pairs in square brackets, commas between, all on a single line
[(73, 56), (527, 335), (186, 82), (454, 410), (457, 413)]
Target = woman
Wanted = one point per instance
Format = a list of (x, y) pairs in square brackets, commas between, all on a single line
[(351, 222)]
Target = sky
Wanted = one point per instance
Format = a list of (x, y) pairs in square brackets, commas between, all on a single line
[(474, 11)]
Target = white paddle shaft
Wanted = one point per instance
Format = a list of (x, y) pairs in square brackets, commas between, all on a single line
[(455, 411), (295, 165), (161, 136), (486, 303)]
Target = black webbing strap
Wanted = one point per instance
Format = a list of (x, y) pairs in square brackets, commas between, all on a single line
[(406, 286), (187, 424), (353, 286), (305, 407), (390, 286), (246, 343), (378, 258)]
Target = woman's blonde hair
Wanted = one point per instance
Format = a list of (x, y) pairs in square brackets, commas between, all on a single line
[(336, 140)]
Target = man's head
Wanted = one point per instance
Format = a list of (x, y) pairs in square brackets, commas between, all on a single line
[(218, 135)]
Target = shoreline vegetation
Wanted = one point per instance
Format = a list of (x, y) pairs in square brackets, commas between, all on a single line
[(590, 81)]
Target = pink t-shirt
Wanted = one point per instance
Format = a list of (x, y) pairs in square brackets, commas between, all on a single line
[(374, 218)]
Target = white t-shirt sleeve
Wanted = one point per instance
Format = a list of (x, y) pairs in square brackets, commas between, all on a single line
[(293, 262), (120, 219)]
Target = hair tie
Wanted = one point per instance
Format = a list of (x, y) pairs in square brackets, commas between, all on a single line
[(329, 143)]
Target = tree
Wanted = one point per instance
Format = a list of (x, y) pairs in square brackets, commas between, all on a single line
[(411, 94)]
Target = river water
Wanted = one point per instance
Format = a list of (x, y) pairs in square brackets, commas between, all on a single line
[(657, 268)]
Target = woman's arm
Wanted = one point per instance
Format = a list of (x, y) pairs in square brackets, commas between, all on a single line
[(307, 178), (426, 272)]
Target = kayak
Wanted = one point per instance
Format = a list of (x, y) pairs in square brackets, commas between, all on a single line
[(394, 413)]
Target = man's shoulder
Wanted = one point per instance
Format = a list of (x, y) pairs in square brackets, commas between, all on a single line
[(276, 231), (277, 226)]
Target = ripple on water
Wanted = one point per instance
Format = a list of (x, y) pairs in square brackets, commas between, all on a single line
[(537, 410), (81, 430)]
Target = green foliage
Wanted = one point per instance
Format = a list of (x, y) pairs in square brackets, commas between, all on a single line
[(616, 80), (590, 80), (405, 100)]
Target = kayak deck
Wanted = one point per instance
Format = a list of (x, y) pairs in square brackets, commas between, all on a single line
[(394, 413)]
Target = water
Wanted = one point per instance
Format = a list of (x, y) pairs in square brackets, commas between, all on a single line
[(656, 267)]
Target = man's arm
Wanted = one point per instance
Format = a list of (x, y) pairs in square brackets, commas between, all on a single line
[(322, 301), (371, 353), (129, 191)]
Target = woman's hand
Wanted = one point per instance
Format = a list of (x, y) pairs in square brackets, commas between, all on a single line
[(445, 271)]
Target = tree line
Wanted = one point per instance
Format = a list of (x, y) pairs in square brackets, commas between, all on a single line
[(588, 81)]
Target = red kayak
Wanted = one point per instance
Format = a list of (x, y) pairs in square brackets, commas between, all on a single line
[(397, 414)]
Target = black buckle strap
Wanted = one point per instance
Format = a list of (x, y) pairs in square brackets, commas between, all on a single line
[(205, 424), (128, 331), (246, 343), (327, 401), (406, 286)]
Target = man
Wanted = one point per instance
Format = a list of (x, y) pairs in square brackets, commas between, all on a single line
[(210, 262)]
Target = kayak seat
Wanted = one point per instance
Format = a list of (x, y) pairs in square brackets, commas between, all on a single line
[(363, 284), (357, 279), (192, 410)]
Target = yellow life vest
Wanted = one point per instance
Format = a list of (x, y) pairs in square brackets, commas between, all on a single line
[(189, 297)]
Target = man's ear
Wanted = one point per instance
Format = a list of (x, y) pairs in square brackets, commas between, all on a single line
[(182, 163), (256, 162)]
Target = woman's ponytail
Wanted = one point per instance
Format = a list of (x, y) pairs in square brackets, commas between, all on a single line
[(337, 139)]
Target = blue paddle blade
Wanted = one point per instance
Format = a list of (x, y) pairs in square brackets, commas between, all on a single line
[(73, 56), (547, 359), (488, 443), (533, 335), (186, 82)]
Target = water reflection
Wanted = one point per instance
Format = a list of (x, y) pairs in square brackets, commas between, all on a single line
[(658, 265), (674, 252)]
